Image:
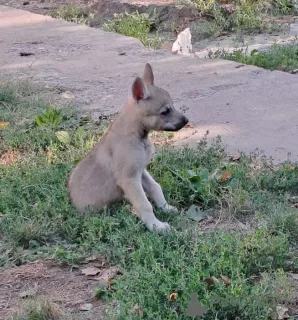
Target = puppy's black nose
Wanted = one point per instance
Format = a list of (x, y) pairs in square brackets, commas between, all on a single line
[(185, 120)]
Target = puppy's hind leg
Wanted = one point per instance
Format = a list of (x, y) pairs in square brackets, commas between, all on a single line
[(154, 191)]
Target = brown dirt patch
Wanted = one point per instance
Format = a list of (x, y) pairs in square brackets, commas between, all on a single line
[(10, 157), (64, 286)]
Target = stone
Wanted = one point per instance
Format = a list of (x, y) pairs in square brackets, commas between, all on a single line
[(183, 45)]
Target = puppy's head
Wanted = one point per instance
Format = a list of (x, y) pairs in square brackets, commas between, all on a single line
[(155, 110)]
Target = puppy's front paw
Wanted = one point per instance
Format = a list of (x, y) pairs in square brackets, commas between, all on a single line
[(169, 208), (159, 226)]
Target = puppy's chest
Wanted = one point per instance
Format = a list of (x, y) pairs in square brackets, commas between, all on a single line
[(148, 149)]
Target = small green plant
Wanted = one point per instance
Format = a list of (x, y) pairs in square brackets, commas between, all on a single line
[(286, 6), (136, 25), (51, 117), (72, 13), (77, 14)]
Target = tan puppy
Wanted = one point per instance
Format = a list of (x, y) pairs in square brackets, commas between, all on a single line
[(116, 168)]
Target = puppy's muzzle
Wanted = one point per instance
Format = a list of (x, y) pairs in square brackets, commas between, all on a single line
[(182, 123)]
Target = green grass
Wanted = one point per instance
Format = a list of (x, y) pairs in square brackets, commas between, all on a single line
[(37, 220), (136, 25), (277, 57)]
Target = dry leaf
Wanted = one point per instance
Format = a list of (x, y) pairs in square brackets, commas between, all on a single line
[(107, 275), (138, 310), (235, 157), (173, 296), (85, 307), (211, 280), (226, 280), (226, 176), (3, 124), (91, 271), (281, 312)]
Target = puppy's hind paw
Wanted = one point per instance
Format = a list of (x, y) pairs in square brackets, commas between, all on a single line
[(169, 208)]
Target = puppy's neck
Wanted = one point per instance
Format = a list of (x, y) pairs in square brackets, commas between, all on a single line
[(129, 122)]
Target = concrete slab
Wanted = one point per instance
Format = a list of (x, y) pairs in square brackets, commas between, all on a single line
[(249, 107)]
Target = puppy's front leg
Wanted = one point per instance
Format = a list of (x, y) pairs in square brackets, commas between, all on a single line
[(154, 191), (134, 192)]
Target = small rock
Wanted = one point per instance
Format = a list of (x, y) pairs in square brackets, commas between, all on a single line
[(68, 95), (281, 312), (27, 294), (183, 45), (91, 271)]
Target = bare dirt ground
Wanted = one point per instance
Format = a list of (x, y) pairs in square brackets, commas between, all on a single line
[(67, 288)]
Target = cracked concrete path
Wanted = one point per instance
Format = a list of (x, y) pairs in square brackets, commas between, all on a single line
[(248, 106)]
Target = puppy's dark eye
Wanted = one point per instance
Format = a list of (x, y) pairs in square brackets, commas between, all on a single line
[(165, 112)]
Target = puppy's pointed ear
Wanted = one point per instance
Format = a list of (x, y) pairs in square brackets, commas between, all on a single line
[(148, 75), (139, 90)]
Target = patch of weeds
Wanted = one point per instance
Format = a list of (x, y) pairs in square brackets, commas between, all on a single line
[(136, 25), (18, 99), (285, 6), (284, 220), (39, 309), (36, 134), (70, 255), (72, 13), (243, 15), (277, 57), (179, 263), (77, 14), (29, 233)]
